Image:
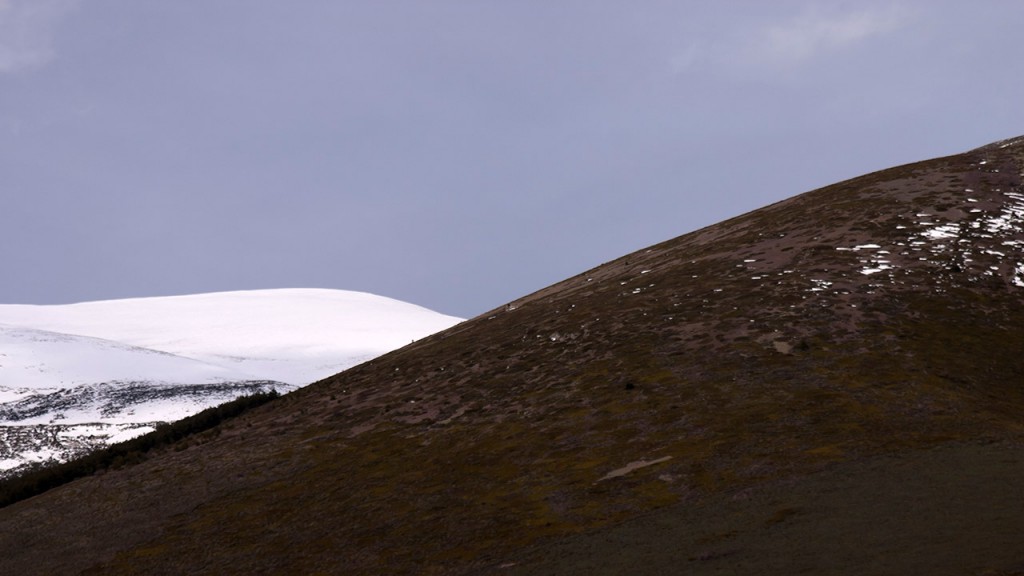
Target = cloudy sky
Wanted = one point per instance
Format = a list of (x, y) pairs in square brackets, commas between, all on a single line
[(454, 154)]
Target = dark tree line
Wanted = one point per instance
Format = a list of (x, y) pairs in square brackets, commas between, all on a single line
[(40, 479)]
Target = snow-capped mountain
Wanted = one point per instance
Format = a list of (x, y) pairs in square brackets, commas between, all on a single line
[(76, 376)]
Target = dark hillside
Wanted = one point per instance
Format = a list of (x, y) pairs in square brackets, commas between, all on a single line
[(870, 319)]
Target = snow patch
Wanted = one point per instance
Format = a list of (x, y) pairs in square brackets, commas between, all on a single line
[(953, 244)]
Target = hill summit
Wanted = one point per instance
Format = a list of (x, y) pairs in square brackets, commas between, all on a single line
[(766, 379)]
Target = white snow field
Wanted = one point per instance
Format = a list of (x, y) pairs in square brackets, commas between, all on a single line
[(76, 376), (295, 336)]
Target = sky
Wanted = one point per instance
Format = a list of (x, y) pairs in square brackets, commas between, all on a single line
[(453, 154)]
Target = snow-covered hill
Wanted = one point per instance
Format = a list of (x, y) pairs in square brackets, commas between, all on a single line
[(294, 335), (76, 376), (35, 360)]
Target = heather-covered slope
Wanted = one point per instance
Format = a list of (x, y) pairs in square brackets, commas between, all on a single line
[(869, 319)]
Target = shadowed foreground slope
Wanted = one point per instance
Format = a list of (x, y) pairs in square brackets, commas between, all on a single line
[(867, 320)]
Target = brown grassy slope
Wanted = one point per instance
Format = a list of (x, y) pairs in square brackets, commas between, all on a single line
[(918, 512), (742, 354)]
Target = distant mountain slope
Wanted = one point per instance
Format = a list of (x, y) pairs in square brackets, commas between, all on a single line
[(73, 377), (794, 350), (289, 335), (32, 359)]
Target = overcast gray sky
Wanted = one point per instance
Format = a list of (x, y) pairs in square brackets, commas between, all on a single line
[(453, 154)]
